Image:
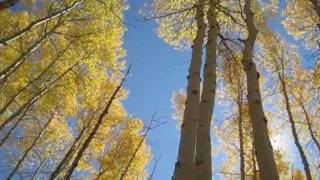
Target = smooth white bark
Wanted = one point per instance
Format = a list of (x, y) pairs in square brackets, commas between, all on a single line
[(203, 165), (263, 147), (184, 167)]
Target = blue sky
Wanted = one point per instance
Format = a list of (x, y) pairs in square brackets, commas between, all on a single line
[(158, 70)]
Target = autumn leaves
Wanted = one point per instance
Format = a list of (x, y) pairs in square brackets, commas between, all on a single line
[(61, 78)]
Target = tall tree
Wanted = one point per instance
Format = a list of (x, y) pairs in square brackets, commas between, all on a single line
[(184, 168), (263, 147), (280, 55), (203, 147)]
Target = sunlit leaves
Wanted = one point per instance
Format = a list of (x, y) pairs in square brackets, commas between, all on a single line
[(70, 74)]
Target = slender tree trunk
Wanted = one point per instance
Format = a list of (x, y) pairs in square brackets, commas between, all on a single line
[(16, 168), (184, 167), (312, 133), (203, 166), (34, 98), (5, 138), (37, 170), (91, 135), (136, 151), (68, 156), (9, 70), (12, 99), (242, 164), (39, 22), (263, 147), (293, 128), (102, 172)]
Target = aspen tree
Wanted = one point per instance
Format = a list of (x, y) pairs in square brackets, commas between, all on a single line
[(184, 167), (67, 56), (309, 124), (236, 129), (34, 24), (203, 167), (96, 127), (37, 139), (263, 147), (293, 126), (281, 57)]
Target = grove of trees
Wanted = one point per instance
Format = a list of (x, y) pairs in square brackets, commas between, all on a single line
[(61, 93), (63, 67), (256, 74)]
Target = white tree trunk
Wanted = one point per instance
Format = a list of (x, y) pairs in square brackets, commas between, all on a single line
[(203, 149), (293, 127), (241, 149), (309, 124), (263, 147), (184, 167)]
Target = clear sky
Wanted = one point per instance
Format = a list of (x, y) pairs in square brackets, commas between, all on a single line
[(158, 70)]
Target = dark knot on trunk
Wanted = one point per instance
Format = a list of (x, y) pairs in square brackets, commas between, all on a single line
[(178, 164), (194, 92), (265, 120)]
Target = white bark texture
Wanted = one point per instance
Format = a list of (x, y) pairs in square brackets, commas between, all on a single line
[(203, 166), (184, 167), (262, 144)]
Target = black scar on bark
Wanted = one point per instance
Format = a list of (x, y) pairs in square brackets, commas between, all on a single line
[(186, 102), (258, 75), (178, 164), (265, 120), (258, 101), (182, 125), (199, 162), (194, 92), (205, 101)]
